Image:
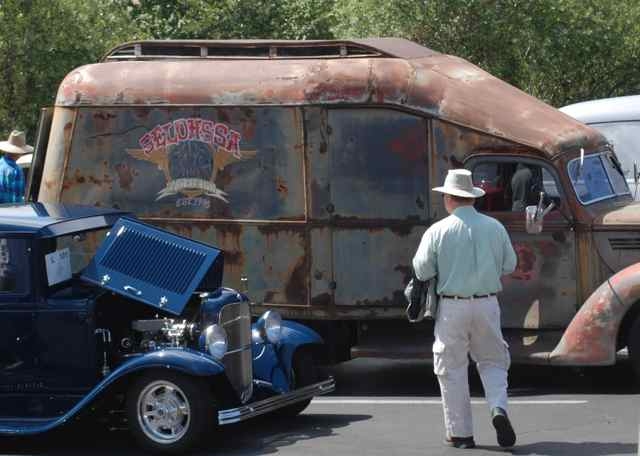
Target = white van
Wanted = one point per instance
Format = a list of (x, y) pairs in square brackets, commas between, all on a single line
[(619, 120)]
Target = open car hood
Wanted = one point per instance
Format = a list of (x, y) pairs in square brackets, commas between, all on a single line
[(153, 266)]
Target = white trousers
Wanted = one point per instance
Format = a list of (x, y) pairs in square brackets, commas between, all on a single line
[(469, 327)]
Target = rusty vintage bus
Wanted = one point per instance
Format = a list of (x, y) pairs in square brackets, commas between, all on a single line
[(310, 163)]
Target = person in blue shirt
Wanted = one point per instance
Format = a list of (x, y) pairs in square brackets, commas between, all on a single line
[(12, 180)]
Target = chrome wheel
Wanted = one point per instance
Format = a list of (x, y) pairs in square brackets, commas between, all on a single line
[(163, 410)]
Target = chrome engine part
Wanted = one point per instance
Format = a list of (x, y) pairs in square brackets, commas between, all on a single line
[(162, 332)]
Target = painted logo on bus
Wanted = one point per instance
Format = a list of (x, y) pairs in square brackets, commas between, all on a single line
[(190, 152)]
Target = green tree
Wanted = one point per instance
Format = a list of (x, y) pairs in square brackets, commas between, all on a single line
[(558, 50), (561, 51), (40, 42), (229, 19)]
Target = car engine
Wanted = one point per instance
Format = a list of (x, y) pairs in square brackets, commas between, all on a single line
[(149, 335)]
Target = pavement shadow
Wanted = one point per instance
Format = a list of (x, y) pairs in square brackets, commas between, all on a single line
[(617, 379), (266, 435), (576, 448), (261, 435), (382, 377), (373, 377)]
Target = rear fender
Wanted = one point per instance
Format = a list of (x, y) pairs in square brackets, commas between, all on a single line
[(591, 337)]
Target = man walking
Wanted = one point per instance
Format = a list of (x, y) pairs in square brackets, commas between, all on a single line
[(11, 175), (468, 252)]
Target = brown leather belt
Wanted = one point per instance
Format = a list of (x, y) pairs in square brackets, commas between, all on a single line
[(468, 297)]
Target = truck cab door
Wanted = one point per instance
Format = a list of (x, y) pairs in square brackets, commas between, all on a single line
[(542, 292), (19, 341), (47, 346)]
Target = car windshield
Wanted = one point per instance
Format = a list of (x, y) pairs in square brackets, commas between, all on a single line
[(600, 177)]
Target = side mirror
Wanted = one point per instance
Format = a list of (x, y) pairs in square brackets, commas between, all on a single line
[(534, 215)]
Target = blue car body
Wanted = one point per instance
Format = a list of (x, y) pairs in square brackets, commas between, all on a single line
[(71, 337)]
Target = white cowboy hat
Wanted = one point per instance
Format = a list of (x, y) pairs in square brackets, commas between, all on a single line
[(459, 183), (24, 161), (16, 144)]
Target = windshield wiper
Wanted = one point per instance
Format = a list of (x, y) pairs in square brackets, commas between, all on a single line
[(616, 164)]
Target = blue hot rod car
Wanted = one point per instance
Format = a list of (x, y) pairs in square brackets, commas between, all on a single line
[(98, 307)]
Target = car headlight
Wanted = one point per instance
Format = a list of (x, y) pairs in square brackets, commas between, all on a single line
[(269, 325), (215, 339)]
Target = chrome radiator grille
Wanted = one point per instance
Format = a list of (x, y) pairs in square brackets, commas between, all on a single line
[(236, 320)]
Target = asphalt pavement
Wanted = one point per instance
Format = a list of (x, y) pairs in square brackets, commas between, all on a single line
[(386, 407)]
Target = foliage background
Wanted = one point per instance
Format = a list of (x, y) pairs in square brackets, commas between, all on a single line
[(561, 51)]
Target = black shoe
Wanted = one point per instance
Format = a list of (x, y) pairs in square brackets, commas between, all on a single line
[(504, 432), (464, 443)]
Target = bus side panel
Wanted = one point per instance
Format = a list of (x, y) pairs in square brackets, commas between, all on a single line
[(232, 177), (380, 196)]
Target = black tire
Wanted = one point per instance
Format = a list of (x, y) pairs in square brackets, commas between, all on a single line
[(303, 374), (633, 345), (181, 403)]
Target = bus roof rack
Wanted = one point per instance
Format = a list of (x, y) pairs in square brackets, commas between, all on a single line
[(266, 49)]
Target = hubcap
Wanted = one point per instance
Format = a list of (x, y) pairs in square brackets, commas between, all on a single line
[(163, 412)]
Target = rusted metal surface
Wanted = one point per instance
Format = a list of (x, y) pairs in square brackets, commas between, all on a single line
[(185, 184), (314, 176), (109, 166), (617, 250), (626, 284), (378, 165), (389, 47), (274, 259), (452, 145), (541, 293), (629, 214), (375, 200), (397, 47), (589, 268), (590, 338), (293, 220), (57, 154), (438, 85), (379, 258)]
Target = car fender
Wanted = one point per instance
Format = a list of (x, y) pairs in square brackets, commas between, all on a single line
[(590, 339), (187, 361), (184, 360), (294, 336), (272, 363)]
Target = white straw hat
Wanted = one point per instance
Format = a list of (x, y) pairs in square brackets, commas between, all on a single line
[(459, 183), (24, 161), (16, 144)]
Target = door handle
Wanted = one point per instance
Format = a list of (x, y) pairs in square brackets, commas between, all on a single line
[(130, 289)]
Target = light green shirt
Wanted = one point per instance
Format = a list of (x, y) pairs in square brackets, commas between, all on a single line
[(467, 251)]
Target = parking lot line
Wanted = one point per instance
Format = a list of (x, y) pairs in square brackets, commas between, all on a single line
[(437, 402)]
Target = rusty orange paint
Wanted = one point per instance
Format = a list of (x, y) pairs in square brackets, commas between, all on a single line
[(404, 75), (590, 338)]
